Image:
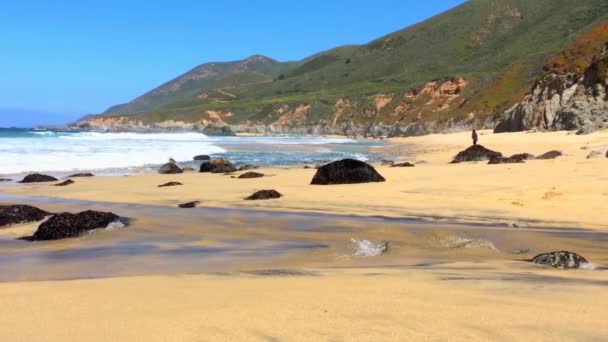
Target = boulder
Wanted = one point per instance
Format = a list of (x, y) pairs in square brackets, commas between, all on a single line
[(169, 168), (264, 195), (406, 164), (15, 214), (550, 155), (504, 160), (219, 165), (202, 157), (523, 156), (66, 225), (347, 171), (251, 174), (215, 130), (170, 184), (476, 153), (77, 175), (38, 178), (189, 205), (561, 259), (65, 183)]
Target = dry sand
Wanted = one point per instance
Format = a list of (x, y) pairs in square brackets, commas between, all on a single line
[(570, 191)]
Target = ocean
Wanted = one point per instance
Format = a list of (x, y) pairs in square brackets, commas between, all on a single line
[(24, 150)]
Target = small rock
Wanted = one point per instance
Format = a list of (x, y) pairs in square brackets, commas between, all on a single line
[(15, 214), (561, 259), (476, 153), (38, 178), (347, 171), (523, 156), (251, 174), (66, 225), (385, 162), (219, 165), (550, 155), (264, 195), (169, 168), (504, 160), (189, 205), (202, 157), (170, 184), (80, 175), (65, 183), (406, 164)]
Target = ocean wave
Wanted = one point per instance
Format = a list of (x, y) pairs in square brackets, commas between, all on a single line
[(188, 136)]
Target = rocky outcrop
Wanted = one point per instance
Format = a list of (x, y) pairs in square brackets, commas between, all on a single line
[(505, 160), (66, 225), (219, 165), (347, 171), (216, 130), (476, 153), (561, 259), (169, 169), (38, 178), (564, 98), (16, 214), (264, 195)]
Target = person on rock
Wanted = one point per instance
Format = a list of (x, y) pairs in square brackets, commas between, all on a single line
[(475, 137)]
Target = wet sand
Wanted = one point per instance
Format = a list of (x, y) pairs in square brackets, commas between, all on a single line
[(271, 271)]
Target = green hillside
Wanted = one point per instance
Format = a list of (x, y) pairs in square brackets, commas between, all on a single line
[(497, 46)]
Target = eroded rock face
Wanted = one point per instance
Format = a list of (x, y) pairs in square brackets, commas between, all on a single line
[(66, 225), (347, 171), (550, 155), (248, 175), (219, 165), (476, 153), (16, 214), (264, 195), (561, 259), (170, 168), (38, 178)]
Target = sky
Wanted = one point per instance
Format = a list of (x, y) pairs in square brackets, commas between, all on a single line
[(60, 59)]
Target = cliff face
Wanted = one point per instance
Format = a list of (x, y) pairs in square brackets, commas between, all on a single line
[(572, 94)]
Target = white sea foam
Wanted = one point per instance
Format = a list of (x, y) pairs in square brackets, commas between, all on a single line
[(368, 248)]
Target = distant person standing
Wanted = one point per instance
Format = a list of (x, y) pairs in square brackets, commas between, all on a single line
[(474, 136)]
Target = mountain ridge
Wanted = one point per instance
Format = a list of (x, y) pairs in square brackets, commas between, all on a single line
[(461, 68)]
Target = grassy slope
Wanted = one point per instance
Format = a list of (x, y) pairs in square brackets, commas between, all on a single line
[(500, 46)]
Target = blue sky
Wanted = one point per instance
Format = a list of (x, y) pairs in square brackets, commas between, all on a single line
[(62, 59)]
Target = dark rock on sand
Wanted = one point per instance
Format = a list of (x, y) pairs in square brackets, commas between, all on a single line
[(251, 174), (66, 225), (219, 165), (561, 259), (264, 195), (347, 171), (215, 130), (65, 183), (80, 175), (504, 160), (406, 164), (523, 156), (189, 205), (38, 178), (15, 214), (476, 153), (550, 155), (202, 157), (170, 184), (169, 168)]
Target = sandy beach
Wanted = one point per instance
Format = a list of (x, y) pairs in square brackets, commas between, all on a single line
[(570, 191), (458, 274)]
